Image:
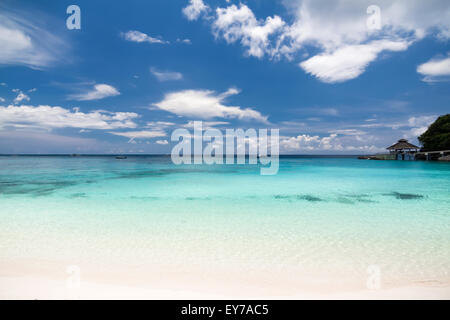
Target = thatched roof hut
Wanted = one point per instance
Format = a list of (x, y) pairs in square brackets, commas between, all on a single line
[(403, 145)]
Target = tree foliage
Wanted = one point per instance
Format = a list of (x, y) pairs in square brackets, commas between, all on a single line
[(437, 137)]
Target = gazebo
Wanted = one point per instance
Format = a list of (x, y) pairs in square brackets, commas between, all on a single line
[(403, 150)]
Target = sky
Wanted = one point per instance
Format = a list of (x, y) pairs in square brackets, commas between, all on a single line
[(334, 76)]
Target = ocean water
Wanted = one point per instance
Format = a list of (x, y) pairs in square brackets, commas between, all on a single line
[(324, 220)]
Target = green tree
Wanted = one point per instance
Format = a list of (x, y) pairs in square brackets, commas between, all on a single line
[(437, 137)]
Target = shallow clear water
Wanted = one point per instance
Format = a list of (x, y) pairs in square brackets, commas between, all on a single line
[(318, 216)]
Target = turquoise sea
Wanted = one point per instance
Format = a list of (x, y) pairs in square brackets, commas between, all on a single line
[(324, 220)]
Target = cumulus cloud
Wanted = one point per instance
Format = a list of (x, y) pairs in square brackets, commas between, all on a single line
[(49, 117), (331, 143), (206, 104), (195, 9), (99, 91), (137, 36), (2, 99), (335, 31), (240, 24), (166, 75), (435, 69), (24, 41), (162, 142)]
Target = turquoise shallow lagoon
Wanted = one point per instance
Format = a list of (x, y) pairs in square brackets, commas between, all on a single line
[(320, 222)]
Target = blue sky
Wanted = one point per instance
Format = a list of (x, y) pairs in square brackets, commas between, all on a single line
[(137, 70)]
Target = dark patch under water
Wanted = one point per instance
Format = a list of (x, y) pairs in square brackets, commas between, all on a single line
[(309, 198), (154, 173), (305, 197), (78, 195), (405, 196), (360, 198), (344, 200), (197, 198), (33, 188)]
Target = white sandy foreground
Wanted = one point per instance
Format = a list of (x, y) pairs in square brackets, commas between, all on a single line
[(44, 288)]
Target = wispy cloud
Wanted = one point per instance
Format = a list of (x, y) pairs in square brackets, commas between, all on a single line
[(57, 117), (185, 41), (99, 91), (25, 41), (166, 75), (437, 69), (137, 36), (145, 134)]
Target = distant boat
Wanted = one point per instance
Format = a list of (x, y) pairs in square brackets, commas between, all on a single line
[(121, 157)]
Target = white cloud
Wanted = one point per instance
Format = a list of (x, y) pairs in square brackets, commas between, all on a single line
[(161, 124), (348, 62), (435, 69), (137, 36), (331, 143), (57, 117), (206, 104), (166, 75), (99, 91), (415, 132), (23, 41), (348, 132), (309, 143), (195, 9), (2, 99), (132, 135), (3, 84), (240, 24), (421, 121), (336, 31), (21, 97), (162, 142), (186, 41)]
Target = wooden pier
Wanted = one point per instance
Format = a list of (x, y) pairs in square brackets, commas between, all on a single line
[(428, 154), (403, 150)]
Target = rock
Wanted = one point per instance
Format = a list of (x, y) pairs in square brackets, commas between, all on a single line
[(444, 158)]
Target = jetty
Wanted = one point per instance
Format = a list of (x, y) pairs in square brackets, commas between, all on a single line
[(403, 150)]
